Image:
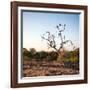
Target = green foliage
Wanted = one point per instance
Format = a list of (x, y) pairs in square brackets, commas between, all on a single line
[(52, 56), (60, 58), (43, 54), (69, 56), (25, 53), (26, 58), (32, 51), (37, 55), (72, 56)]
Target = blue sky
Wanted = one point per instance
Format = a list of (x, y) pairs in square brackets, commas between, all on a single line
[(37, 23)]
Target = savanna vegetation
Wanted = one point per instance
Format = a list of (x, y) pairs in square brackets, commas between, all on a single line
[(56, 62), (32, 54), (47, 63)]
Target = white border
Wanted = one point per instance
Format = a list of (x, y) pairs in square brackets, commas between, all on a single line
[(52, 78)]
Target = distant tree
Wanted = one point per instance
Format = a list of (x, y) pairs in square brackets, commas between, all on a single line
[(52, 55), (28, 54), (43, 54), (32, 50), (37, 56), (25, 52)]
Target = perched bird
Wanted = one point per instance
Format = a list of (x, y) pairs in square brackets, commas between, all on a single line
[(60, 25), (57, 27)]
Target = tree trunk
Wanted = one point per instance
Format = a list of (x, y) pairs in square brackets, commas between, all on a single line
[(60, 57)]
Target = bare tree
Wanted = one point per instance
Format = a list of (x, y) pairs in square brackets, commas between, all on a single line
[(51, 39)]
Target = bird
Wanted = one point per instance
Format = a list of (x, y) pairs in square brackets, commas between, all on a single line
[(60, 25), (57, 27)]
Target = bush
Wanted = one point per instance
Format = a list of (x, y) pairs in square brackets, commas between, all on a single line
[(70, 56), (37, 55), (52, 56), (43, 54), (26, 58)]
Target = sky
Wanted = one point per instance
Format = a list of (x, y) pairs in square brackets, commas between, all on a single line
[(35, 24)]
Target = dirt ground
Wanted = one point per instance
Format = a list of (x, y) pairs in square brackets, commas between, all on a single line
[(46, 68)]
